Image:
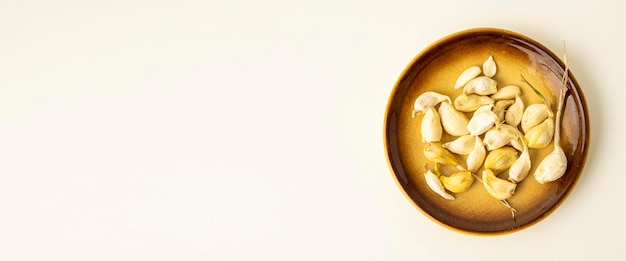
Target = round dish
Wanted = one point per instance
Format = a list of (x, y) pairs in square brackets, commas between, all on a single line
[(436, 69)]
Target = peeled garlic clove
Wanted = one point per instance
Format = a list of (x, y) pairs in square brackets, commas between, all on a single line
[(486, 107), (533, 115), (518, 144), (435, 185), (489, 67), (514, 114), (482, 122), (431, 126), (427, 100), (466, 76), (462, 145), (500, 108), (500, 159), (481, 85), (507, 92), (552, 167), (471, 102), (540, 136), (499, 137), (520, 168), (453, 121), (457, 182), (498, 188), (477, 156), (436, 153)]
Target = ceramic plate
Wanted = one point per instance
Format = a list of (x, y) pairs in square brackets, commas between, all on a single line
[(437, 69)]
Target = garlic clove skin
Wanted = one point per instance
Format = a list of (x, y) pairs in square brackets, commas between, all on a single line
[(466, 76), (476, 158), (489, 67), (457, 182), (552, 167), (500, 159), (431, 126), (481, 85), (533, 115), (462, 145), (498, 188), (427, 100), (436, 153), (454, 122), (481, 122), (499, 137), (500, 108), (471, 102), (540, 136), (507, 92), (514, 114), (520, 168), (435, 185)]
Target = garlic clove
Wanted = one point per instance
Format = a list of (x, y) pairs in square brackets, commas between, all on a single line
[(476, 158), (520, 168), (500, 108), (462, 145), (540, 136), (499, 137), (431, 126), (471, 102), (435, 185), (481, 85), (514, 114), (481, 122), (500, 159), (457, 182), (427, 100), (507, 92), (466, 76), (437, 154), (498, 188), (453, 121), (489, 67), (552, 167), (533, 115)]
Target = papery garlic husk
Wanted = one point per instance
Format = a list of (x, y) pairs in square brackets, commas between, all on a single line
[(427, 100), (466, 76), (431, 126), (520, 168), (481, 122), (453, 121), (500, 159), (540, 136), (437, 154), (500, 108), (533, 115), (489, 67), (457, 182), (471, 102), (498, 188), (435, 185), (462, 145), (552, 167), (476, 158), (481, 85), (507, 92), (514, 114), (499, 137)]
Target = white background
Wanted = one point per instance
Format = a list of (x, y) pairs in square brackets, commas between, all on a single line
[(252, 130)]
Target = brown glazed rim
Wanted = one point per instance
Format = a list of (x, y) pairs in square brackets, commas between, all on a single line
[(393, 156)]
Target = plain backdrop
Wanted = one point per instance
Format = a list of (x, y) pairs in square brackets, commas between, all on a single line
[(252, 130)]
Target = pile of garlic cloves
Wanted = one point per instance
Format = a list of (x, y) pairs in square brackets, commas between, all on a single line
[(489, 134)]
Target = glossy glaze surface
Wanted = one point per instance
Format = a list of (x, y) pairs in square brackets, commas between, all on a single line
[(436, 69)]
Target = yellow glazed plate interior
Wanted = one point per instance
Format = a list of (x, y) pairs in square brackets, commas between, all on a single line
[(437, 69)]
